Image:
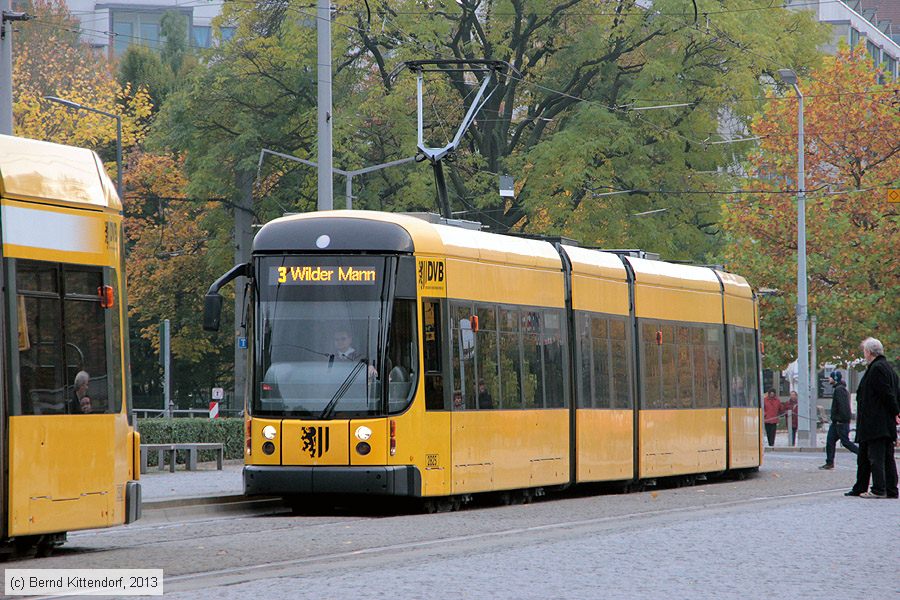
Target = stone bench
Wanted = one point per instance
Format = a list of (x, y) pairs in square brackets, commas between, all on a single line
[(170, 451)]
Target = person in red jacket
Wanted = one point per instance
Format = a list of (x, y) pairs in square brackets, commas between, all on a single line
[(771, 410)]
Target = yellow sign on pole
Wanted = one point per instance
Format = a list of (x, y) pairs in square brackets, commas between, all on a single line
[(893, 195)]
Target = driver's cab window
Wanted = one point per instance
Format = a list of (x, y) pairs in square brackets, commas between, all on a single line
[(62, 339)]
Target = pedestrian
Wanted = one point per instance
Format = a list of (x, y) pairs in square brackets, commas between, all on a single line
[(791, 411), (771, 408), (840, 420), (876, 430)]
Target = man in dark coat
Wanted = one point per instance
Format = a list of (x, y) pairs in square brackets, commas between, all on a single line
[(876, 425), (840, 420)]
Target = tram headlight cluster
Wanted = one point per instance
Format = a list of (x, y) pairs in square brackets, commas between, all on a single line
[(269, 432)]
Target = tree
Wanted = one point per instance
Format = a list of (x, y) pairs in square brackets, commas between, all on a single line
[(561, 119), (169, 265), (852, 156), (50, 60)]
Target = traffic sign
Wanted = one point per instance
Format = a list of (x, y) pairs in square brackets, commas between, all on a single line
[(893, 195), (218, 393), (213, 410)]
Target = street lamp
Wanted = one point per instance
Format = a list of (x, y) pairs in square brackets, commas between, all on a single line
[(75, 106), (806, 407)]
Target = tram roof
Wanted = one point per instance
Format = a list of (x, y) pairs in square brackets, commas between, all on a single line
[(35, 170), (735, 285), (672, 275), (374, 231)]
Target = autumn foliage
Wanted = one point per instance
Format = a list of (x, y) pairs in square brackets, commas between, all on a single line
[(852, 130)]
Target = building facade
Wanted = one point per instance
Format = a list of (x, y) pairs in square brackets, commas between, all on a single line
[(858, 21), (114, 26)]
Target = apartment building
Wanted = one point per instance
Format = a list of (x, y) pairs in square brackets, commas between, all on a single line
[(853, 21), (115, 25)]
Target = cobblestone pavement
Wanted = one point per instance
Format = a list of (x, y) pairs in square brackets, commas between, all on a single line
[(808, 543)]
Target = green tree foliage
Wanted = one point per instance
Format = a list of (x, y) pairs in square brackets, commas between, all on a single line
[(561, 119), (143, 66), (853, 233)]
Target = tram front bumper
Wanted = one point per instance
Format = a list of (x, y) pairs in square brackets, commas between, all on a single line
[(402, 480)]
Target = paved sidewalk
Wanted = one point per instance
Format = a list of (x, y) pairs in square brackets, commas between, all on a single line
[(206, 482)]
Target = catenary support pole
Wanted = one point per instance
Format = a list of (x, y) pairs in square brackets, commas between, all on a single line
[(323, 36)]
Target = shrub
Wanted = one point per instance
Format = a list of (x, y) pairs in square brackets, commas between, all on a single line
[(187, 431)]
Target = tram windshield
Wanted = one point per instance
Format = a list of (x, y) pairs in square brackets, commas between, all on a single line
[(332, 341)]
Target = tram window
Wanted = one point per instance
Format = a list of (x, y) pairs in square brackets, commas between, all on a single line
[(532, 364), (432, 336), (510, 360), (751, 381), (401, 354), (601, 376), (486, 360), (554, 359), (583, 360), (651, 361), (669, 367), (463, 355), (63, 358), (621, 363), (701, 392), (714, 362), (735, 366), (685, 371)]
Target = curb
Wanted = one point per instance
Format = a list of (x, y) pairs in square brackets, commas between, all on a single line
[(793, 449), (208, 505)]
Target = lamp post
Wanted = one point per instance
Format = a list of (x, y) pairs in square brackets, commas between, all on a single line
[(75, 106), (806, 405)]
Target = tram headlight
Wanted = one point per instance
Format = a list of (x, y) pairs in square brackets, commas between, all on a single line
[(363, 448), (363, 433), (268, 448), (269, 432)]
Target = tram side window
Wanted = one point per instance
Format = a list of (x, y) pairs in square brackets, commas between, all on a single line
[(651, 361), (463, 357), (621, 363), (554, 345), (532, 365), (63, 343), (753, 394), (432, 337), (684, 371), (701, 381), (669, 367), (486, 360), (583, 360), (401, 354), (509, 358), (600, 373), (714, 351)]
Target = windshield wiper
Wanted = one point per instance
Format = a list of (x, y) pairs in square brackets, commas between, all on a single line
[(329, 408)]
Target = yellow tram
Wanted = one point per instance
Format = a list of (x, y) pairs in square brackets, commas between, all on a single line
[(395, 355), (69, 453)]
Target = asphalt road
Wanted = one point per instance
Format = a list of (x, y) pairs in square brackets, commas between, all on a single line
[(787, 532)]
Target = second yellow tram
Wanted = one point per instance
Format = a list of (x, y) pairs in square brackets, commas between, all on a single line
[(397, 356)]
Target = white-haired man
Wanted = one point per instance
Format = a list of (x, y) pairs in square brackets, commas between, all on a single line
[(876, 425)]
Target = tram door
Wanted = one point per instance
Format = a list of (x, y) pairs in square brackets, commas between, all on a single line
[(436, 423)]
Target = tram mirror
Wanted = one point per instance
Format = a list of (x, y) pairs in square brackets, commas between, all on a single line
[(212, 312)]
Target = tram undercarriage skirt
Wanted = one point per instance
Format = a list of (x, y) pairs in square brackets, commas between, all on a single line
[(402, 480)]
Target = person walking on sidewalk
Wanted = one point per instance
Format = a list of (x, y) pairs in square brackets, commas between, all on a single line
[(876, 430), (791, 412), (840, 421), (771, 408)]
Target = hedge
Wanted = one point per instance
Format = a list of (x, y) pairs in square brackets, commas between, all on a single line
[(186, 431)]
